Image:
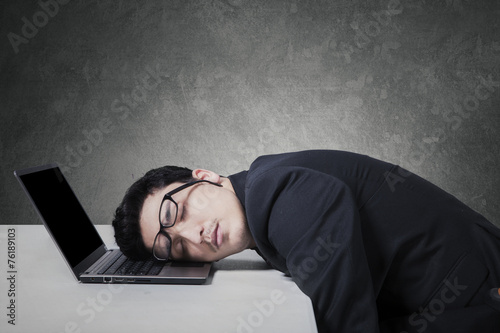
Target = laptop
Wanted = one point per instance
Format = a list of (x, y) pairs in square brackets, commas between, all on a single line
[(80, 244)]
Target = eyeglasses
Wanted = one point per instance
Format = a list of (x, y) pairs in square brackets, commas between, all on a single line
[(167, 217)]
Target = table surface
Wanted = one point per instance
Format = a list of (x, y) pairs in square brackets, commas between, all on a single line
[(241, 295)]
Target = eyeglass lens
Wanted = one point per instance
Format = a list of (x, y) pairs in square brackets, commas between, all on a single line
[(168, 213), (161, 247)]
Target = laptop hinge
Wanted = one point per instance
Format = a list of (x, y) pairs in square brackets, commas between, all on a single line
[(99, 263), (83, 266)]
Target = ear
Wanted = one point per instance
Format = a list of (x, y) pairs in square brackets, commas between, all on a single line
[(206, 175)]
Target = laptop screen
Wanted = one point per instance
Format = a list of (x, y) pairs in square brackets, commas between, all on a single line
[(63, 214)]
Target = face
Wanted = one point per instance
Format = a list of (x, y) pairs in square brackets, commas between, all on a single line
[(210, 224)]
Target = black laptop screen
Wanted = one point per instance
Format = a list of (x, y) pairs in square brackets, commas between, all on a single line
[(63, 214)]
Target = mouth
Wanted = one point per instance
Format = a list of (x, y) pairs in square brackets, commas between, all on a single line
[(216, 236)]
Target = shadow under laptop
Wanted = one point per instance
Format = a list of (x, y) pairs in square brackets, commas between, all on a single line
[(239, 264)]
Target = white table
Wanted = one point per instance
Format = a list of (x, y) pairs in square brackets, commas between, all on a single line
[(242, 295)]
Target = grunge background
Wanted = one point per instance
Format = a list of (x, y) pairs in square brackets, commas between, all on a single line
[(109, 89)]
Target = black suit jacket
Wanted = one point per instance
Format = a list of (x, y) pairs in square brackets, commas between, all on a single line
[(375, 247)]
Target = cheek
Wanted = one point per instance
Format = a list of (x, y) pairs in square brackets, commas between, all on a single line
[(199, 203), (228, 207), (205, 197)]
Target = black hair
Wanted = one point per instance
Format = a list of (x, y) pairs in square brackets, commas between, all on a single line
[(126, 220)]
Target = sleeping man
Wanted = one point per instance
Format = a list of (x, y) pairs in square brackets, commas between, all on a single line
[(375, 247)]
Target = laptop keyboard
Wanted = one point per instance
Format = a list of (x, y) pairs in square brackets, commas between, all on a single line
[(121, 265)]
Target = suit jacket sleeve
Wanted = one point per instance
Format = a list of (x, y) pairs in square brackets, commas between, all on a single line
[(313, 224)]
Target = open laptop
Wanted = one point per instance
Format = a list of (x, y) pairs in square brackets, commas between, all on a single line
[(80, 243)]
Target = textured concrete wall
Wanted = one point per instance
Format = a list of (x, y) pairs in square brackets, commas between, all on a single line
[(109, 89)]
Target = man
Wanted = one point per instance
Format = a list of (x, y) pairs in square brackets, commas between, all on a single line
[(376, 248)]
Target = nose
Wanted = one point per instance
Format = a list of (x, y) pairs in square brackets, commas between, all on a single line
[(188, 231)]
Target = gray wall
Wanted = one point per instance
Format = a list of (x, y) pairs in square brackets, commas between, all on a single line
[(110, 89)]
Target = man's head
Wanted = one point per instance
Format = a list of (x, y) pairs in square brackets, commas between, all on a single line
[(210, 225)]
